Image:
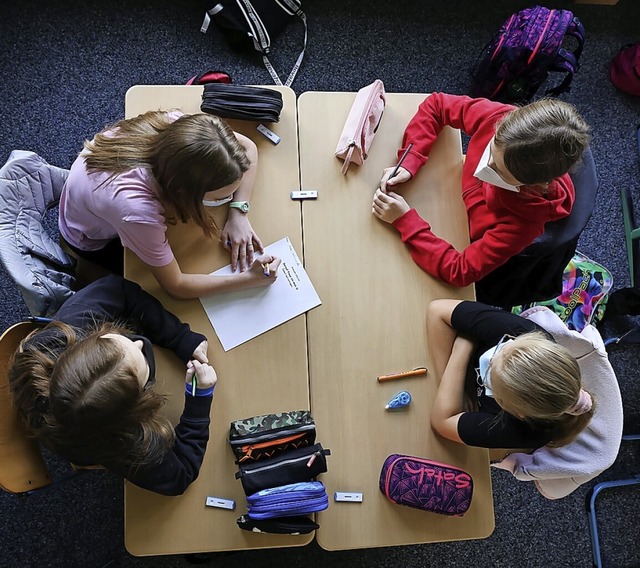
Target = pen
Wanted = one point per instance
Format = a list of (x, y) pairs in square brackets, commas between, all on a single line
[(194, 385), (395, 170), (265, 269), (406, 374)]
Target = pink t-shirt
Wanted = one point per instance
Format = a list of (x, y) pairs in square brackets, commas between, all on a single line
[(93, 211)]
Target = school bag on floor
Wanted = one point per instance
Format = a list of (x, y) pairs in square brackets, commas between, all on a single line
[(624, 69), (528, 46), (252, 24), (585, 291)]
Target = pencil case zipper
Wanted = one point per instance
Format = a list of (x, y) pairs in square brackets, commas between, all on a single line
[(289, 467)]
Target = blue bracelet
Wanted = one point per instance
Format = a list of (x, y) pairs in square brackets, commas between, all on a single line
[(199, 392)]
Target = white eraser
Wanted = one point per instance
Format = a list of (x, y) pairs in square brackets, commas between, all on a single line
[(220, 503), (310, 194), (350, 497), (272, 136)]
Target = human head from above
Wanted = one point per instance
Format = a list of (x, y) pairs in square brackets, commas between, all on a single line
[(95, 397), (192, 158), (536, 143), (536, 379)]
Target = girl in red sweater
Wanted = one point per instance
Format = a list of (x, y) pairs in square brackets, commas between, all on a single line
[(514, 180)]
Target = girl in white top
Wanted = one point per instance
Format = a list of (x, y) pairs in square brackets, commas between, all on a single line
[(137, 173)]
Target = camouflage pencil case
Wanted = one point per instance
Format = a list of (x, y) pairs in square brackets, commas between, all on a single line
[(264, 436)]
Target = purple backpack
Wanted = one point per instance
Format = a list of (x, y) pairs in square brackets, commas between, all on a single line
[(425, 484), (516, 62)]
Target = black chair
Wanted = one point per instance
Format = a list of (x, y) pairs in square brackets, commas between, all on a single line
[(536, 273)]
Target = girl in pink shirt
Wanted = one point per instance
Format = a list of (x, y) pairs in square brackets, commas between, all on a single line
[(136, 173)]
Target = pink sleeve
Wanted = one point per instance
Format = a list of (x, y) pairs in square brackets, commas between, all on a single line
[(440, 259), (147, 241), (439, 110)]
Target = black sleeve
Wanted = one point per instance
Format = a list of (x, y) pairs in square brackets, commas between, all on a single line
[(180, 466), (487, 430), (487, 324), (113, 298)]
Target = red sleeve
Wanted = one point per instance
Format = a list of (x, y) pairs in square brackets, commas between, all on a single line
[(439, 110), (440, 259)]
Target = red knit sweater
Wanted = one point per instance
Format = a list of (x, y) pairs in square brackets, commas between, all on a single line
[(501, 222)]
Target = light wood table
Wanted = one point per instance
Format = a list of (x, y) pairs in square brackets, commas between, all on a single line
[(372, 322), (267, 374)]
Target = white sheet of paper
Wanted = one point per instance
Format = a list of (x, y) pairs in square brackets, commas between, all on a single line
[(240, 316)]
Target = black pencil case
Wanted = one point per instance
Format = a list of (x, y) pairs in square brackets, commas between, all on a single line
[(283, 525), (294, 466), (265, 436), (242, 102)]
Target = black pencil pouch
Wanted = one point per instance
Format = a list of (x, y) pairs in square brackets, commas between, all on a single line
[(265, 436), (242, 102), (283, 525), (294, 466)]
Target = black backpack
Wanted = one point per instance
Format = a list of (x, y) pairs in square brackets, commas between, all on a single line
[(516, 62)]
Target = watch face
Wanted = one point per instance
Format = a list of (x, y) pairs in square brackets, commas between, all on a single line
[(242, 205)]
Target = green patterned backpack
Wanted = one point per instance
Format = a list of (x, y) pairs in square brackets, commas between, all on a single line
[(585, 288)]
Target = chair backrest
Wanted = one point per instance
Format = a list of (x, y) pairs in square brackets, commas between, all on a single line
[(22, 467), (536, 273)]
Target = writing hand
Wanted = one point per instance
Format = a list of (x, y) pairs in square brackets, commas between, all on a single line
[(388, 206), (400, 177), (264, 270), (206, 375)]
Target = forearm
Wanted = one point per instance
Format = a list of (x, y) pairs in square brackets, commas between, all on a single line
[(189, 286), (440, 333), (449, 402)]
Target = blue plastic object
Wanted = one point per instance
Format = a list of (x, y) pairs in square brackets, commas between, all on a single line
[(400, 400)]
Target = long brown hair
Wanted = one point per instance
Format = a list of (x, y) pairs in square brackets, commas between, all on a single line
[(542, 140), (80, 398), (188, 157)]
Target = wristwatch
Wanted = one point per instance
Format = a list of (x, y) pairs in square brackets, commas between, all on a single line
[(242, 205)]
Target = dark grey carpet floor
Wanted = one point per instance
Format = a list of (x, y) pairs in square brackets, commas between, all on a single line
[(65, 68)]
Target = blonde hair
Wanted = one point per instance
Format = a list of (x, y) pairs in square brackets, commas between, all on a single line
[(188, 157), (538, 380), (542, 140)]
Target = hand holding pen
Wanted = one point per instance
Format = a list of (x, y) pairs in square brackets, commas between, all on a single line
[(200, 376), (264, 270), (396, 174)]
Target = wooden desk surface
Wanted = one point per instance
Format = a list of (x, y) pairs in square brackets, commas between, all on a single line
[(372, 322), (267, 374)]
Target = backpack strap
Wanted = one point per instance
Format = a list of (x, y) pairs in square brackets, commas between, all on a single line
[(566, 60), (262, 41)]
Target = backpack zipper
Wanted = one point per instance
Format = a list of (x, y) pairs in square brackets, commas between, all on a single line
[(544, 31)]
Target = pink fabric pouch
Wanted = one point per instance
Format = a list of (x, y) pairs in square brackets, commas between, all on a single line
[(361, 125), (425, 484)]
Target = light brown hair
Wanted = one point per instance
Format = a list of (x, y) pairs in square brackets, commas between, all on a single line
[(188, 157), (542, 140), (79, 397)]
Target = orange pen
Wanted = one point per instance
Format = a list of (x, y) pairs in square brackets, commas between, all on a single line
[(407, 374)]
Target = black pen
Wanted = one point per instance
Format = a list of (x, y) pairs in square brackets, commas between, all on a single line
[(395, 170)]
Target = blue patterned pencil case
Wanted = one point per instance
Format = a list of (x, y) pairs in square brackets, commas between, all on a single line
[(288, 500)]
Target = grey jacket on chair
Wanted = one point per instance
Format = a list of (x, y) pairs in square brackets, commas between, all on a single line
[(43, 272)]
